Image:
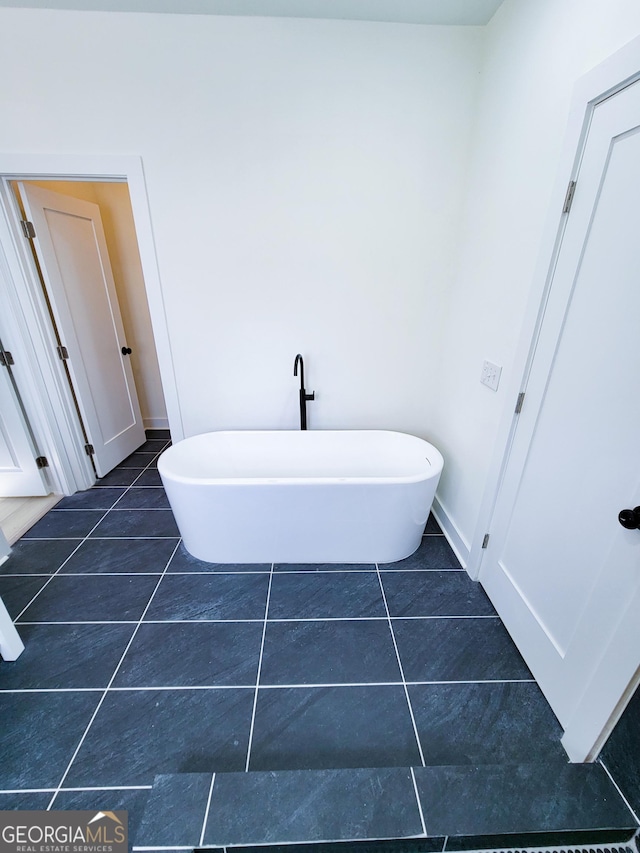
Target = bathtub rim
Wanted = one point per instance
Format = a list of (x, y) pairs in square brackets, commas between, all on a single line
[(436, 463)]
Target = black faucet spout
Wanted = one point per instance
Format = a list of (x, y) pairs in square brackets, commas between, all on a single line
[(303, 394), (299, 361)]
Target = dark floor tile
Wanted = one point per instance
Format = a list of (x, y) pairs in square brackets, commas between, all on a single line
[(164, 434), (432, 527), (520, 798), (324, 567), (329, 653), (119, 477), (434, 593), (150, 497), (214, 596), (132, 801), (65, 656), (182, 850), (39, 734), (190, 654), (67, 524), (397, 845), (153, 445), (316, 805), (326, 727), (176, 810), (183, 561), (139, 459), (156, 441), (92, 499), (488, 723), (25, 801), (42, 557), (324, 596), (137, 523), (101, 598), (457, 650), (621, 753), (16, 592), (124, 556), (151, 477), (138, 734), (434, 553)]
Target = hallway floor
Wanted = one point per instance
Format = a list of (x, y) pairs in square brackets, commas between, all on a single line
[(142, 662)]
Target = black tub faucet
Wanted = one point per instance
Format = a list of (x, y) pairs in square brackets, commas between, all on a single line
[(303, 394)]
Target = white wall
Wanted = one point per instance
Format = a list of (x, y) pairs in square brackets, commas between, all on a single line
[(120, 234), (535, 52), (305, 182)]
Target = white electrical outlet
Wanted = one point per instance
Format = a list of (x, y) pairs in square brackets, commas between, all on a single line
[(490, 375)]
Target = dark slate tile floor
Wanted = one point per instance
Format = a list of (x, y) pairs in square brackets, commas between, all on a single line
[(142, 663)]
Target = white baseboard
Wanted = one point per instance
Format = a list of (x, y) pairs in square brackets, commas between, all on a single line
[(156, 423), (457, 541)]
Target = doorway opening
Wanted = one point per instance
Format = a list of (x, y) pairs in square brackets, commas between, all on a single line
[(38, 318), (19, 512)]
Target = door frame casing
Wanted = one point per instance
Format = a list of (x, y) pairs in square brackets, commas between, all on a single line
[(31, 340), (587, 730), (614, 74), (46, 392)]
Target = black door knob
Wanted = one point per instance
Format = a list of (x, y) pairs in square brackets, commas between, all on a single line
[(126, 350), (630, 518)]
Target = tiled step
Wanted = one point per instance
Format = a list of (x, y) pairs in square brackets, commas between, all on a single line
[(468, 807)]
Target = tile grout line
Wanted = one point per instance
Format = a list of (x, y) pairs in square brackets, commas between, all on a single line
[(617, 787), (206, 811), (415, 788), (404, 683), (309, 572), (149, 465), (114, 509), (228, 621), (59, 569), (255, 698), (94, 538), (123, 486), (80, 544), (76, 790), (287, 686), (112, 679)]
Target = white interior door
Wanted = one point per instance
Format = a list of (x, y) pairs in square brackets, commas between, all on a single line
[(72, 253), (562, 572), (19, 473)]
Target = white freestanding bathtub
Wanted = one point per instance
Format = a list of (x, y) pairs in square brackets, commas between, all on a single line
[(318, 496)]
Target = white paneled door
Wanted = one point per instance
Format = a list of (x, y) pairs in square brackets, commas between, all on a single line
[(72, 253), (562, 571), (19, 473)]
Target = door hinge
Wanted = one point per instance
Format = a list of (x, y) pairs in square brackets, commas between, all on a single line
[(29, 230), (519, 403), (485, 541), (63, 352), (6, 359), (568, 199), (42, 462), (88, 449)]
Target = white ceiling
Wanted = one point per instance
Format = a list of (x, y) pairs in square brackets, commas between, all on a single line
[(457, 12)]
